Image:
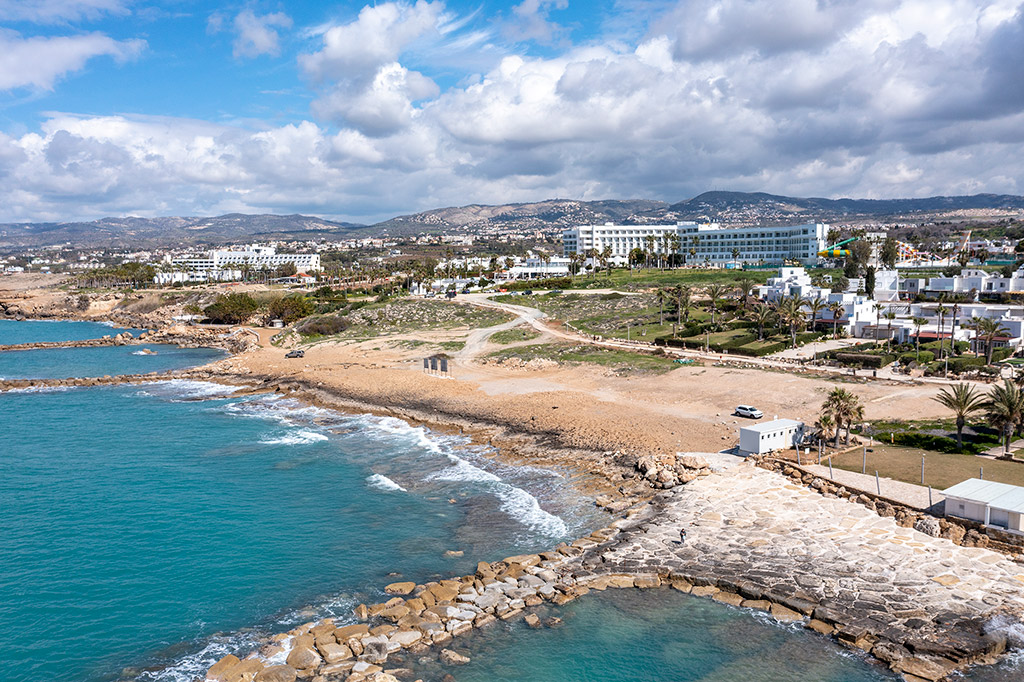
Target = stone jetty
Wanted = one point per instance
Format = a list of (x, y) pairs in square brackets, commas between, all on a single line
[(920, 604)]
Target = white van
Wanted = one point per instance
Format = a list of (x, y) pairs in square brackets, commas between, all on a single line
[(748, 411)]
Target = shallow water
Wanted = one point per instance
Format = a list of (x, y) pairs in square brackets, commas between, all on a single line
[(35, 331), (662, 636), (63, 363), (137, 522)]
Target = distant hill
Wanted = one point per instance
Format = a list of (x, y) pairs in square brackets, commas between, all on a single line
[(148, 232), (551, 215), (541, 214), (726, 206)]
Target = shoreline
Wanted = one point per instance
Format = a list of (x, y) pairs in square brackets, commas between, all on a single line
[(617, 556)]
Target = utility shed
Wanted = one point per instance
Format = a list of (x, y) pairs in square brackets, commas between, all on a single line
[(777, 434), (988, 502)]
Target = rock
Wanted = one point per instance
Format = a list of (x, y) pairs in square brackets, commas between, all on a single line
[(924, 668), (929, 525), (533, 620), (782, 614), (953, 532), (302, 657), (406, 638), (403, 588), (276, 673), (344, 633), (245, 671), (730, 598), (375, 650), (334, 653), (450, 657), (219, 670)]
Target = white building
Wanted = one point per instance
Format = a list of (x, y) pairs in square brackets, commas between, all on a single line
[(537, 268), (970, 281), (196, 276), (778, 434), (988, 502), (857, 309), (256, 257), (710, 243)]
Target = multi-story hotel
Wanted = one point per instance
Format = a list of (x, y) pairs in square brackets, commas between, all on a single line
[(709, 243)]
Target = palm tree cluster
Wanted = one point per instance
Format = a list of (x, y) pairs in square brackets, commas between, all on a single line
[(841, 409), (1003, 407)]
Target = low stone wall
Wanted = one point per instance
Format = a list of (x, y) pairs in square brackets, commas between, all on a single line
[(962, 532)]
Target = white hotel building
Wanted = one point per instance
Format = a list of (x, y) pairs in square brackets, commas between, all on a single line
[(713, 244), (224, 265)]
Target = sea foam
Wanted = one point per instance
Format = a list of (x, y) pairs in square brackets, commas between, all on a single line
[(384, 483)]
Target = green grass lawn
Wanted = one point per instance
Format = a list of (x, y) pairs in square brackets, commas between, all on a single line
[(626, 361), (940, 470)]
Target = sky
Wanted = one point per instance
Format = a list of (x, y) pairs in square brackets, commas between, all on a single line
[(362, 111)]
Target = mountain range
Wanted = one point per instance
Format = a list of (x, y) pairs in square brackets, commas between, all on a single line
[(550, 215)]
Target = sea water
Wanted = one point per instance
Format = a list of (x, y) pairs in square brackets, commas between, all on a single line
[(147, 530), (36, 331), (64, 363)]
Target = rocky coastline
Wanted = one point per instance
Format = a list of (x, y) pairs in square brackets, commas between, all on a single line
[(925, 604)]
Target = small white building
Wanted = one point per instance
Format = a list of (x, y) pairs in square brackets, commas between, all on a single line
[(778, 434), (994, 504)]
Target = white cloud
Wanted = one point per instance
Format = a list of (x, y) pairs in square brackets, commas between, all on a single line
[(59, 11), (257, 34), (876, 99), (530, 21), (39, 61)]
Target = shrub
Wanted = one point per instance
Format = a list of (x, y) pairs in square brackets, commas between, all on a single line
[(963, 364), (231, 308), (864, 359), (926, 357), (325, 325), (999, 354), (290, 308)]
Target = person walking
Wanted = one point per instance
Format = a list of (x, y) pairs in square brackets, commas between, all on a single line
[(682, 536)]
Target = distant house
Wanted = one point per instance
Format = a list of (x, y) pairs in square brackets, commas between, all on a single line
[(988, 502), (778, 434)]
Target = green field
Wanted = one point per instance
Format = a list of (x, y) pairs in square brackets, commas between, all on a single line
[(625, 361), (940, 470), (515, 335)]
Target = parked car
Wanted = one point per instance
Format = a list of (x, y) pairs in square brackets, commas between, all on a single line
[(748, 412), (528, 292), (295, 354)]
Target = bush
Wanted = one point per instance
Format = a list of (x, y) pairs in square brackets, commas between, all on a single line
[(231, 308), (1000, 354), (325, 325), (926, 357), (926, 441), (964, 364), (864, 359), (553, 283), (290, 308)]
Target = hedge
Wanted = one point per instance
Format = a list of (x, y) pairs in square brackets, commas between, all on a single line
[(925, 357), (864, 359)]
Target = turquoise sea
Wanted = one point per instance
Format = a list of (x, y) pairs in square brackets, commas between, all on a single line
[(147, 530)]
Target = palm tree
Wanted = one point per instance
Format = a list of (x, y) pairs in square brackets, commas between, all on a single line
[(844, 407), (918, 323), (964, 401), (649, 243), (989, 329), (952, 326), (825, 425), (816, 305), (941, 311), (682, 295), (745, 286), (790, 311), (889, 316), (761, 315), (662, 296), (837, 310), (715, 292), (1005, 410), (878, 320)]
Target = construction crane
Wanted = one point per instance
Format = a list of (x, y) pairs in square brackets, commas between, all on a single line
[(835, 252)]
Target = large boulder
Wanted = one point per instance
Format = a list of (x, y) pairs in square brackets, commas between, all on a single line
[(219, 670), (276, 673), (302, 658), (450, 657)]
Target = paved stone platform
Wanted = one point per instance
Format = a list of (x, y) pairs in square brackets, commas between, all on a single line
[(922, 604)]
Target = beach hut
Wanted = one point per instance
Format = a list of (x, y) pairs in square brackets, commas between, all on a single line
[(988, 502), (778, 434)]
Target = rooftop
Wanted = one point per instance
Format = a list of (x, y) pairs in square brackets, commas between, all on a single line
[(775, 425), (998, 495)]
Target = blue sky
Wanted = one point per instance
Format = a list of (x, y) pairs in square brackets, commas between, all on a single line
[(362, 111)]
